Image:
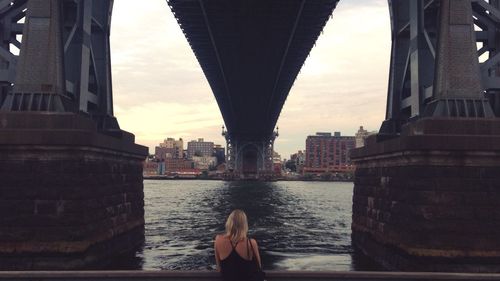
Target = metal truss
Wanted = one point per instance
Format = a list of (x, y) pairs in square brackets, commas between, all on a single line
[(487, 22), (85, 33), (86, 30), (237, 148), (415, 32), (12, 14)]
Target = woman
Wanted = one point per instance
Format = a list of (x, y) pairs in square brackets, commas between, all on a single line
[(237, 256)]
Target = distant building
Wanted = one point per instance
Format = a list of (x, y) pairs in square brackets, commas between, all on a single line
[(361, 136), (220, 154), (200, 148), (169, 148), (276, 157), (277, 164), (327, 153), (177, 164), (151, 168), (299, 159), (204, 163)]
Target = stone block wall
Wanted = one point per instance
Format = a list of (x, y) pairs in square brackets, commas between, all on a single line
[(68, 203), (427, 205)]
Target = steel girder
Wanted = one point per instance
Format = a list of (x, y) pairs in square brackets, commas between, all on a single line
[(235, 154), (414, 38), (87, 58), (251, 53), (487, 22), (415, 32), (11, 15), (87, 54)]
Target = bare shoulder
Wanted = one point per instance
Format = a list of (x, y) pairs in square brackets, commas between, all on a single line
[(219, 237), (254, 242)]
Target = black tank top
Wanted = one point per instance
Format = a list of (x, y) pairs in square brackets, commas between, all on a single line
[(236, 268)]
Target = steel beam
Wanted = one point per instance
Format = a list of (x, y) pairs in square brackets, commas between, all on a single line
[(414, 39), (84, 30), (487, 22), (412, 75), (88, 58), (11, 27)]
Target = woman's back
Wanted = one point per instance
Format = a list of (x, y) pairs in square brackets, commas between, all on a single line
[(237, 260), (237, 256)]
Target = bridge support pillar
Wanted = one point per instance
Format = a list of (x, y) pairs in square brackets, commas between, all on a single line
[(250, 160), (427, 200), (71, 197), (71, 192)]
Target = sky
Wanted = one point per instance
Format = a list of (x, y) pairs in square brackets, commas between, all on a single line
[(160, 91)]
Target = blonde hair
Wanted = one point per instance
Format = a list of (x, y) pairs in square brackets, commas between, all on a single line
[(236, 226)]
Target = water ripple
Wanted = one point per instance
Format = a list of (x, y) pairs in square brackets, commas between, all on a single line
[(298, 225)]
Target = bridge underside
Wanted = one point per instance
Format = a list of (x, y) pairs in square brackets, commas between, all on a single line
[(251, 53)]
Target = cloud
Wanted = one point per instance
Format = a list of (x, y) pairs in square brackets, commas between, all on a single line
[(343, 83), (151, 122)]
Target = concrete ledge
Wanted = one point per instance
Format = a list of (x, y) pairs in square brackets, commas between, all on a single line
[(63, 129), (211, 275), (437, 135)]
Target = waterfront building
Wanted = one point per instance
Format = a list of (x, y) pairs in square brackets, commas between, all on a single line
[(299, 159), (327, 153), (169, 148), (204, 163), (200, 147), (177, 164), (150, 168)]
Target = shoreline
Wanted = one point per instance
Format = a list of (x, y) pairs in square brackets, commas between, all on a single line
[(217, 179)]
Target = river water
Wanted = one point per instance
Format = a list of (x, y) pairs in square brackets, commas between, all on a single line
[(298, 225)]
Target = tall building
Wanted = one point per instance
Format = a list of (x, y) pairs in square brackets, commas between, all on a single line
[(360, 137), (169, 148), (327, 153), (200, 148), (299, 159)]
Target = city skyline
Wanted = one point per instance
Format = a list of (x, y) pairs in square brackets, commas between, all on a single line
[(160, 90)]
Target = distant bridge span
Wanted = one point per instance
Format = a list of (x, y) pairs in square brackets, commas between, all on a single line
[(251, 53)]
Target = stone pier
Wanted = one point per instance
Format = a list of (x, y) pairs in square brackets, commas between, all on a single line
[(428, 200), (70, 197)]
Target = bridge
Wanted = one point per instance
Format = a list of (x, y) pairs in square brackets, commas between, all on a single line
[(426, 187), (251, 52)]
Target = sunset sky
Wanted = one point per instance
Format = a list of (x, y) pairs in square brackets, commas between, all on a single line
[(160, 90)]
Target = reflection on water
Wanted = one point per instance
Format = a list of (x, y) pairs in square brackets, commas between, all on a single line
[(298, 225)]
